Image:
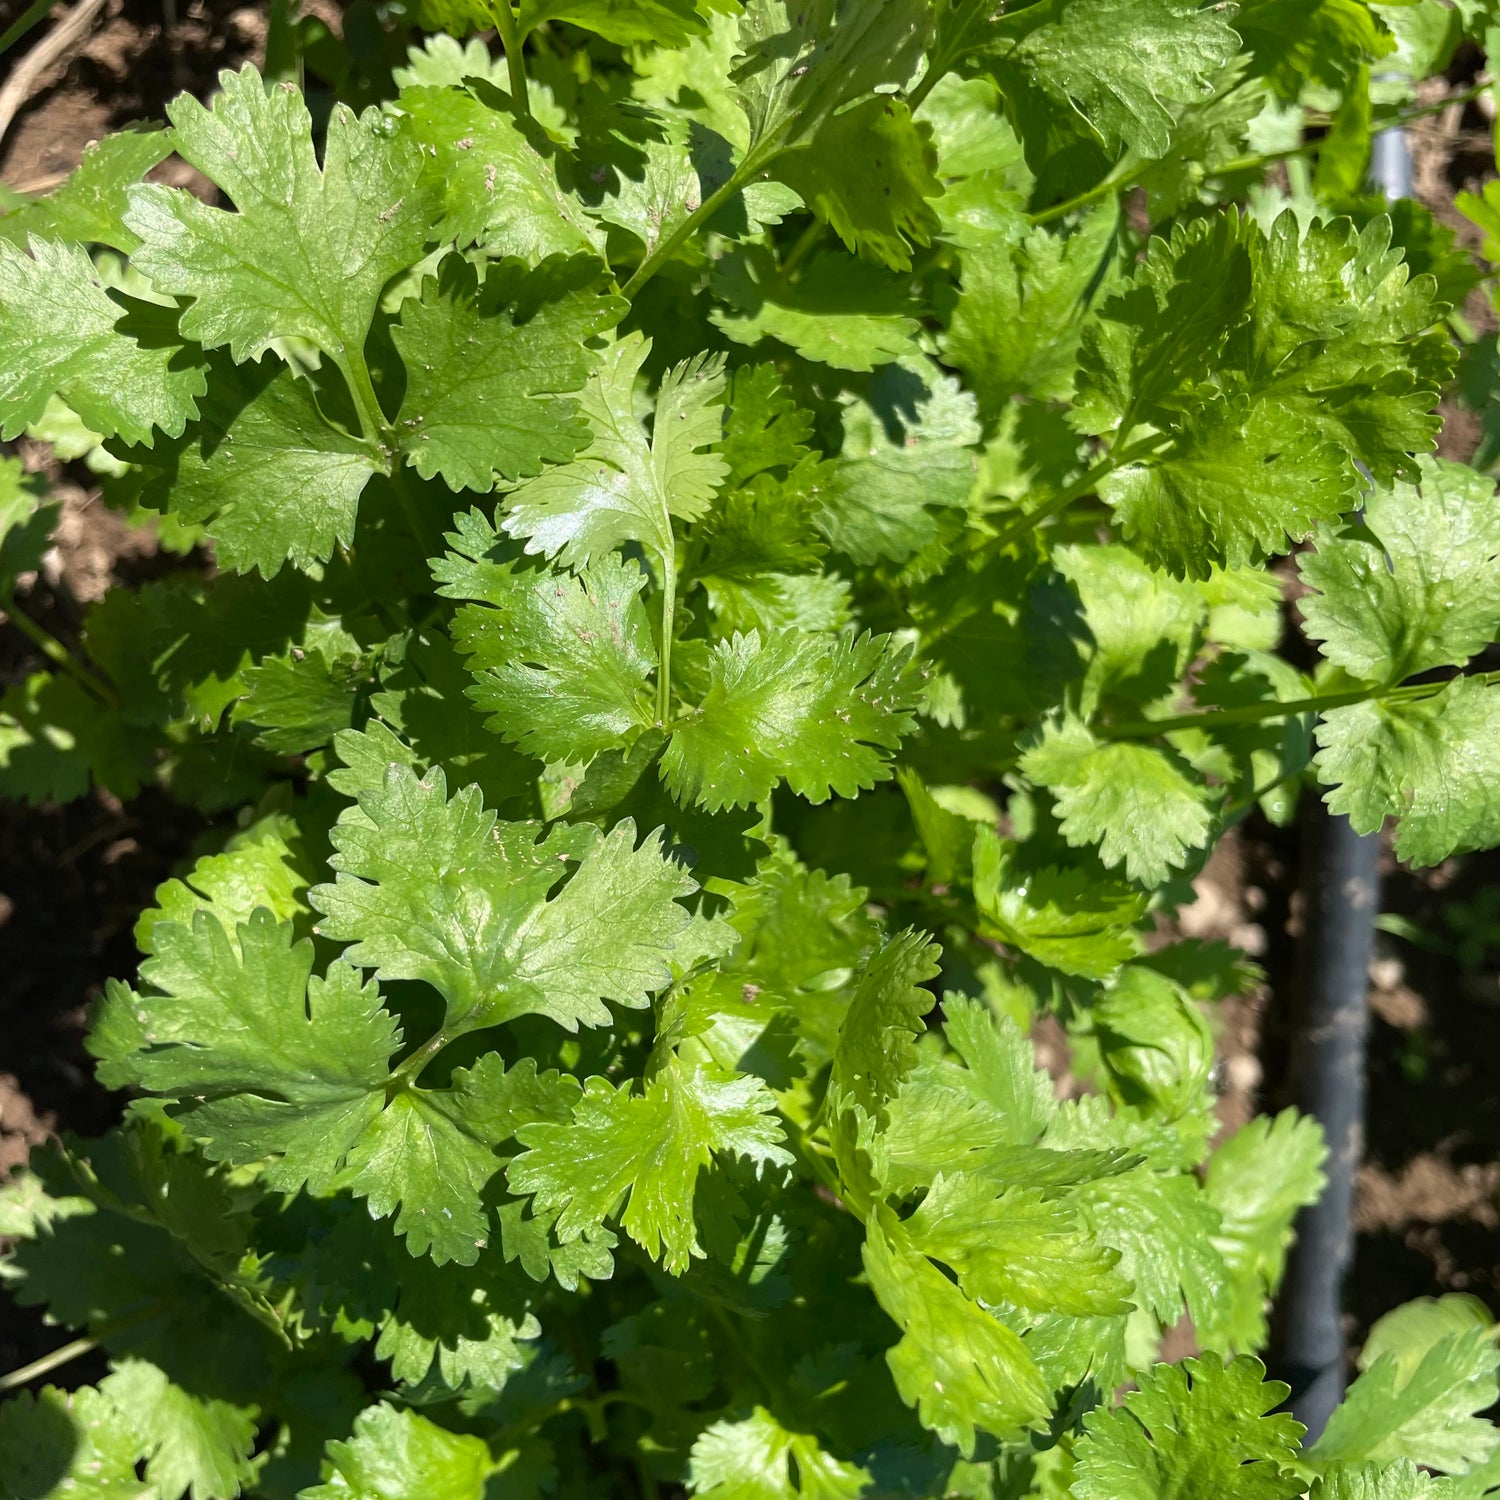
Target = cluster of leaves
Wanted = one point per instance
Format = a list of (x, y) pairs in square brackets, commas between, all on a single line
[(699, 504)]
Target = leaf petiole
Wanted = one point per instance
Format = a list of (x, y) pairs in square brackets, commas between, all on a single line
[(668, 247), (1256, 713), (1085, 484), (65, 1354), (55, 652), (511, 40)]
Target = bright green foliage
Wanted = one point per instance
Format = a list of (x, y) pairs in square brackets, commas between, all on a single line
[(1426, 1370), (1428, 761), (89, 206), (1062, 918), (545, 1079), (624, 486), (1257, 1180), (437, 890), (759, 1459), (72, 1445), (1140, 805), (563, 663), (485, 368), (1156, 1047), (816, 711), (1199, 1428), (1415, 587), (118, 368), (1064, 56), (263, 470), (646, 1150), (399, 1455), (307, 248)]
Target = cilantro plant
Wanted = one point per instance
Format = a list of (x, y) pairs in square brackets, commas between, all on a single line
[(745, 544)]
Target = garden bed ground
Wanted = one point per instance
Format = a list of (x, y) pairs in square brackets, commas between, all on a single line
[(73, 879)]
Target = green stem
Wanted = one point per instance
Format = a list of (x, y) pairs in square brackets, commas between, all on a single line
[(1437, 106), (430, 544), (1119, 177), (804, 246), (1256, 713), (667, 248), (372, 422), (510, 40), (48, 1363), (1085, 484), (668, 619), (406, 1074), (55, 652), (86, 1344)]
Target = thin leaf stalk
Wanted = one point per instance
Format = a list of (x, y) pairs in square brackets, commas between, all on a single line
[(57, 653), (668, 621), (1085, 484), (65, 1354), (511, 40), (1257, 713), (668, 247), (405, 1075)]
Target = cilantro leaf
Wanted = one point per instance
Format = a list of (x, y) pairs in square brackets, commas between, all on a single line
[(264, 1059), (1064, 918), (645, 1150), (756, 1458), (256, 868), (1342, 333), (1144, 624), (261, 1060), (1325, 41), (960, 1366), (1399, 1481), (399, 1455), (120, 364), (908, 447), (88, 206), (562, 662), (1015, 1246), (189, 1442), (1161, 333), (846, 313), (1419, 1402), (1242, 479), (1429, 762), (624, 486), (876, 1046), (1163, 1225), (1064, 56), (501, 191), (489, 369), (1416, 589), (1259, 1180), (74, 1445), (272, 480), (819, 712), (880, 209), (801, 64), (437, 890), (308, 249), (27, 517), (1015, 325), (1136, 802), (1192, 1429)]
